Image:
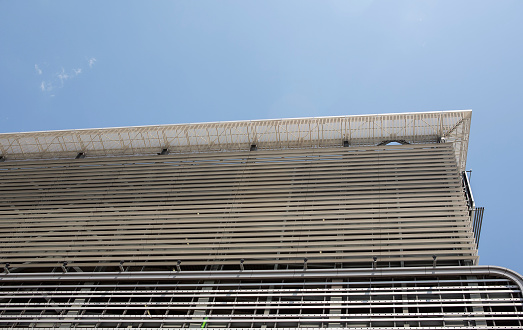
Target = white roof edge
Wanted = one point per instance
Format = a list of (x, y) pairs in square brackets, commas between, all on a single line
[(239, 121), (311, 132)]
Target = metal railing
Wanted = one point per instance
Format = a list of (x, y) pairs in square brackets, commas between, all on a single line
[(475, 213)]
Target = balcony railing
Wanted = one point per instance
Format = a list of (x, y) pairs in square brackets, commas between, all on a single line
[(475, 213)]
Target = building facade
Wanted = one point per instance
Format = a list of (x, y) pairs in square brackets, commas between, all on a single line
[(339, 222)]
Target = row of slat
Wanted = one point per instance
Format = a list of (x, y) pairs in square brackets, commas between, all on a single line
[(439, 302), (339, 205)]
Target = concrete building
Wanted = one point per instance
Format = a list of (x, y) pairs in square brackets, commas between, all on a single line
[(339, 222)]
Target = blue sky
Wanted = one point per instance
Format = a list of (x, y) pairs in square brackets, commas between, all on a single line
[(86, 64)]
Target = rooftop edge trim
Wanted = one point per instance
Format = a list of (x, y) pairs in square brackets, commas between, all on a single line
[(314, 132)]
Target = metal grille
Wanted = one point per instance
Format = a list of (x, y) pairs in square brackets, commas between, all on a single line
[(460, 298), (400, 204), (478, 220)]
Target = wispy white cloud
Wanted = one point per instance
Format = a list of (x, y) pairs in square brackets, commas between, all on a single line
[(57, 80), (62, 76), (46, 86)]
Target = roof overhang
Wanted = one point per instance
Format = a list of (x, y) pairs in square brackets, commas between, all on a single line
[(316, 132)]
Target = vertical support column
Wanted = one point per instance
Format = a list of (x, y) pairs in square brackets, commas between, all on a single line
[(335, 303), (476, 309), (404, 302), (201, 304), (267, 310), (73, 313)]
